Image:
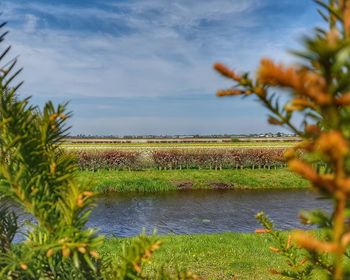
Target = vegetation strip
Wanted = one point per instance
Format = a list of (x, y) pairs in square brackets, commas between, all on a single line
[(211, 256), (257, 144), (180, 159), (170, 180)]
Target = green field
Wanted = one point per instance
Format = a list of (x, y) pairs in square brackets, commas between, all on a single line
[(170, 180), (212, 256), (138, 145)]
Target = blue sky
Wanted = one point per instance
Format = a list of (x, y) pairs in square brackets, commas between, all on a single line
[(145, 66)]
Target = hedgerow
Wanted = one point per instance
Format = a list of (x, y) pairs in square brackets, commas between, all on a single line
[(180, 159)]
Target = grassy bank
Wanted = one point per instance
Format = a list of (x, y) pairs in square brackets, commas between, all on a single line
[(166, 180), (213, 256)]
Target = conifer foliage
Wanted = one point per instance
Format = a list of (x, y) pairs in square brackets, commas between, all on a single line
[(40, 178), (319, 91)]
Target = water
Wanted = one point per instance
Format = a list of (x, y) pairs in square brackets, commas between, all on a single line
[(188, 212)]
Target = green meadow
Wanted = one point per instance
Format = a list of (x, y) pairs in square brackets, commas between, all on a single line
[(223, 256), (172, 180)]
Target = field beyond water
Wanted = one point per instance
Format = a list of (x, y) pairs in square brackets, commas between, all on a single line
[(171, 180), (174, 168)]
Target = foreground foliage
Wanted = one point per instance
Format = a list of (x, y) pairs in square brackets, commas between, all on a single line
[(319, 91), (41, 179)]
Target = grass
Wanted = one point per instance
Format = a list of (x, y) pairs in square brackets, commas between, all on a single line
[(212, 256), (167, 180)]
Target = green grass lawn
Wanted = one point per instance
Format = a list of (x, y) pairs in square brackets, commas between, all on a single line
[(213, 256), (166, 180)]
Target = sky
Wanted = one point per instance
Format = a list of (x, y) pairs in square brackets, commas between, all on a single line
[(140, 67)]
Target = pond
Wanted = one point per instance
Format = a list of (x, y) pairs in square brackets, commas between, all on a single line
[(187, 212)]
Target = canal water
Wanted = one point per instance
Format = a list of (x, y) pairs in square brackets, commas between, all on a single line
[(187, 212)]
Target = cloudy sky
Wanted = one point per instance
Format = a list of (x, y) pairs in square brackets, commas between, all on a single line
[(145, 66)]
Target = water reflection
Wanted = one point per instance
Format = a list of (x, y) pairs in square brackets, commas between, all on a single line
[(199, 211)]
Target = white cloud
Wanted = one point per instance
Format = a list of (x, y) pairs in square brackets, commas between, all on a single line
[(184, 13), (142, 14), (150, 48), (159, 60), (31, 23), (11, 10)]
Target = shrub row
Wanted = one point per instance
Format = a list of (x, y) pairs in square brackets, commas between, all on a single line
[(218, 159), (180, 159), (113, 159)]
